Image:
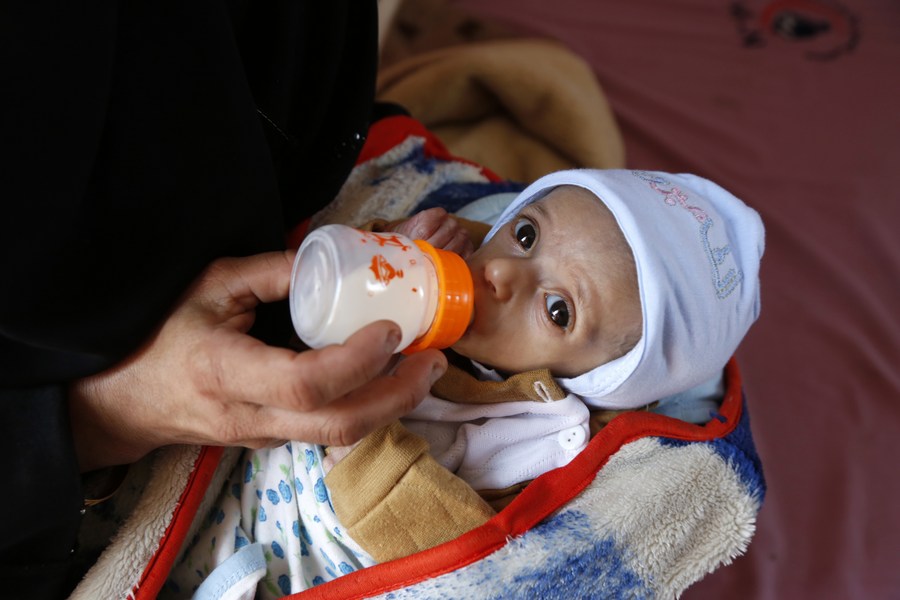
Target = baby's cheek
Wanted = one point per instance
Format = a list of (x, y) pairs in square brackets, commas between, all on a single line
[(472, 345)]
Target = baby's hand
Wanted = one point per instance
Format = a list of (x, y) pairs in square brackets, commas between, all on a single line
[(335, 454), (439, 229)]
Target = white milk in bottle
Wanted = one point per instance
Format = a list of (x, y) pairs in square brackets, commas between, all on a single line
[(344, 279)]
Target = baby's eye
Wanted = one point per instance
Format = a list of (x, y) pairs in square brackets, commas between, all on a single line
[(525, 233), (558, 310)]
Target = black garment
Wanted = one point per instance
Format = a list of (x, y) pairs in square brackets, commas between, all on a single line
[(139, 142)]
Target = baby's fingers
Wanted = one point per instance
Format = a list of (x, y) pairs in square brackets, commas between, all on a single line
[(423, 225)]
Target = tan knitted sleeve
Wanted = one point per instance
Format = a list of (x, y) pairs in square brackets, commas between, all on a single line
[(394, 499)]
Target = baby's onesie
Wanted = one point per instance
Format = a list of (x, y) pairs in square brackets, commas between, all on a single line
[(397, 493), (271, 533), (274, 528)]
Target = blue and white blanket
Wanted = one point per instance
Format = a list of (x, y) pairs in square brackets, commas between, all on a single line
[(651, 506)]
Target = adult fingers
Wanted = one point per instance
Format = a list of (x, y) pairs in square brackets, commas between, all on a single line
[(333, 371), (234, 286), (348, 419), (239, 368)]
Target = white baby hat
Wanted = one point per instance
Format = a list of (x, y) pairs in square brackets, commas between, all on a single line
[(697, 250)]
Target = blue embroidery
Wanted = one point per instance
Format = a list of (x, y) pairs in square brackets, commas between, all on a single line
[(322, 493), (277, 524), (284, 584), (330, 567), (723, 284), (239, 540), (304, 533), (310, 459), (277, 550), (650, 177), (285, 491), (345, 568), (674, 196)]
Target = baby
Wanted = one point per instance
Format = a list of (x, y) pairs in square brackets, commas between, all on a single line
[(594, 291)]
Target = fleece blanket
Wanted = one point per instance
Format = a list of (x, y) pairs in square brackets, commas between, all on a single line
[(648, 508), (522, 107)]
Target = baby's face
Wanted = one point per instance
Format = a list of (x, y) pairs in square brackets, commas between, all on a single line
[(555, 288)]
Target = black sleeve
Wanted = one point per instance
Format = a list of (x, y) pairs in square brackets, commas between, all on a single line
[(42, 498), (140, 142)]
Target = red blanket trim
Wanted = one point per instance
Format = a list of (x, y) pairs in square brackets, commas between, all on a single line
[(542, 497), (157, 571), (385, 135), (390, 132)]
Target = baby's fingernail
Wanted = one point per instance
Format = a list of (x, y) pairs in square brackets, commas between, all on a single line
[(437, 371), (392, 341)]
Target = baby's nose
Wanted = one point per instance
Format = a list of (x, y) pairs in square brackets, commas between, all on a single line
[(502, 275)]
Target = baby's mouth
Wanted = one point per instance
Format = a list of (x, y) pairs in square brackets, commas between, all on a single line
[(476, 302), (474, 309)]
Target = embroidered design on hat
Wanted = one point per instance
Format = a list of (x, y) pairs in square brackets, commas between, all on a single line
[(725, 284)]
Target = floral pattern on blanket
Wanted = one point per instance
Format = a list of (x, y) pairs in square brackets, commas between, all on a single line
[(275, 497)]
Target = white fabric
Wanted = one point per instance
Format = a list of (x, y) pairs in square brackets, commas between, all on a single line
[(119, 569), (494, 446), (696, 405), (657, 518), (487, 209), (274, 497), (697, 250), (236, 578)]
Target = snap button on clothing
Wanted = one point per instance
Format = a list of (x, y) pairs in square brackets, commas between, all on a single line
[(572, 438)]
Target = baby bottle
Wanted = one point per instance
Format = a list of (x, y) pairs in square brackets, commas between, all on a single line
[(344, 279)]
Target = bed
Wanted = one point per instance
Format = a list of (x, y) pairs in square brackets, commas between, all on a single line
[(792, 106)]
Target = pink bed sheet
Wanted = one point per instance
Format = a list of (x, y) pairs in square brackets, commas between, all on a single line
[(794, 107)]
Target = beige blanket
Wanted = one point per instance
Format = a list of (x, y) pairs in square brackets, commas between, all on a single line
[(521, 107)]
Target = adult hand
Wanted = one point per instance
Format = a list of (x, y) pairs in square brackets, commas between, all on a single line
[(439, 229), (201, 379)]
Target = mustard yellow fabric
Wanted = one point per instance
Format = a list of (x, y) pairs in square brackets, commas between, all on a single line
[(394, 499)]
